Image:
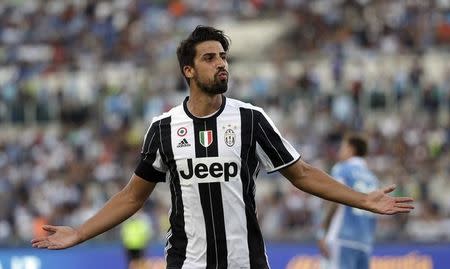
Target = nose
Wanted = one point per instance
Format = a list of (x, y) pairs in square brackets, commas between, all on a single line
[(221, 63)]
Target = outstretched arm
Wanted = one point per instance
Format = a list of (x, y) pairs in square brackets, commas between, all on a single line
[(312, 180), (120, 207)]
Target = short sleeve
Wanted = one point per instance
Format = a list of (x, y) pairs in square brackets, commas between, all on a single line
[(150, 166), (338, 173), (273, 150)]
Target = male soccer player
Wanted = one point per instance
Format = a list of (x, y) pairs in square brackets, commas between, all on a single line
[(209, 149), (347, 234)]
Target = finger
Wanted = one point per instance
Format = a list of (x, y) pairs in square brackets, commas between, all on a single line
[(42, 244), (403, 199), (39, 244), (36, 244), (408, 206), (49, 228), (39, 239), (397, 211), (402, 210), (389, 188)]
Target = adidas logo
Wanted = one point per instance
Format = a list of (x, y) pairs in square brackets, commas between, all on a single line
[(183, 143)]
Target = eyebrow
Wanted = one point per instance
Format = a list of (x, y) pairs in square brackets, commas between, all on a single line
[(213, 54)]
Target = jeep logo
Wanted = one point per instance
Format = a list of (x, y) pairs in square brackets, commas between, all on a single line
[(203, 170)]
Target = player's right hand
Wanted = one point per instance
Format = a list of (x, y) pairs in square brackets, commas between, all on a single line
[(323, 248), (59, 237)]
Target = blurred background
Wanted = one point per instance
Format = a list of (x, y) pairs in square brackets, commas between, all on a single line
[(80, 81)]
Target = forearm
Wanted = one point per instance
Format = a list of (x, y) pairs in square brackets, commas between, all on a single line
[(331, 210), (116, 210), (312, 180)]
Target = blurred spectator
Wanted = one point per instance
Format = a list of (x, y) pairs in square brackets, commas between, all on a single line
[(81, 80)]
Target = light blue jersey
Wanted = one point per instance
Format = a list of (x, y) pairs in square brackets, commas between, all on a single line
[(352, 227)]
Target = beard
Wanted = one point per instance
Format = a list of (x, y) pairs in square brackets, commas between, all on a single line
[(218, 86)]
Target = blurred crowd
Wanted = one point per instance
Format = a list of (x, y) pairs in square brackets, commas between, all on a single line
[(80, 81)]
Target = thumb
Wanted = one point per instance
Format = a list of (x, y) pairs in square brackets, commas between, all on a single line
[(49, 228), (389, 188)]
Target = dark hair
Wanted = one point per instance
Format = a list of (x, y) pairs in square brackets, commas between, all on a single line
[(358, 143), (186, 50)]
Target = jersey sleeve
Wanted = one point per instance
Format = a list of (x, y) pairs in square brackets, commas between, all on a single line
[(273, 151), (150, 166)]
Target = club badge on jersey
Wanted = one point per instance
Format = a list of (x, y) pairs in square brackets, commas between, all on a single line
[(230, 137)]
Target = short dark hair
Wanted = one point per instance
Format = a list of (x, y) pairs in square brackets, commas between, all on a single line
[(358, 143), (186, 50)]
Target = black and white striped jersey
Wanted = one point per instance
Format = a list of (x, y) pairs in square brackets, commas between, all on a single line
[(211, 165)]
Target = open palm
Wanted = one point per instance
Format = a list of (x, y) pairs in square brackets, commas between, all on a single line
[(380, 202), (60, 237)]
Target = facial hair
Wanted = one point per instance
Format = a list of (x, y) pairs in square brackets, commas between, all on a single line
[(216, 87)]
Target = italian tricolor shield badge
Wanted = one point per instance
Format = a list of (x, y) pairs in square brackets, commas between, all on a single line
[(206, 138)]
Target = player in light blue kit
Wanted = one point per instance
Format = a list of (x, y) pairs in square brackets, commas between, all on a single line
[(347, 234)]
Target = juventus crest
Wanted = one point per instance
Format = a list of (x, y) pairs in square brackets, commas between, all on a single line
[(229, 137)]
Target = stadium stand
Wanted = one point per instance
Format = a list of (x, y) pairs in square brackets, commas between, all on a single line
[(80, 81)]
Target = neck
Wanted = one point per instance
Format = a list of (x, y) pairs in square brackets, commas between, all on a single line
[(201, 104)]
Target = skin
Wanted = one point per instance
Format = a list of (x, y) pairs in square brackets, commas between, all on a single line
[(209, 62)]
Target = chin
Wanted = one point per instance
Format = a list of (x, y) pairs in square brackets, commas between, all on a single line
[(217, 88), (221, 90)]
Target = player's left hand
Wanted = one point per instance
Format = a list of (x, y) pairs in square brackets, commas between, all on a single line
[(380, 202)]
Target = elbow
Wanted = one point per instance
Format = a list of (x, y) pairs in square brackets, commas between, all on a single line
[(297, 172), (304, 171)]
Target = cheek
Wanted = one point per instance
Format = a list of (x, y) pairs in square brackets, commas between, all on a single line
[(205, 73)]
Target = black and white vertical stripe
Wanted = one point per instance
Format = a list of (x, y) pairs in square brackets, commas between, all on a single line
[(214, 224), (177, 242), (255, 241), (273, 150), (150, 166), (211, 200)]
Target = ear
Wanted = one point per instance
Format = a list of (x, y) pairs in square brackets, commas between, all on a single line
[(188, 71)]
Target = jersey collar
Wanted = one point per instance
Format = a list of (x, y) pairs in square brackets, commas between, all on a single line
[(215, 115)]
